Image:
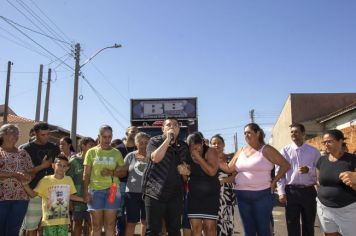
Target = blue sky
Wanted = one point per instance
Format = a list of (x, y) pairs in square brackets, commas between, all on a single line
[(233, 55)]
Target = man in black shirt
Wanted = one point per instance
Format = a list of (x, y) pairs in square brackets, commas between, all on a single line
[(162, 183), (42, 155)]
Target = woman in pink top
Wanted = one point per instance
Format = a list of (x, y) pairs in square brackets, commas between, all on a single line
[(254, 186)]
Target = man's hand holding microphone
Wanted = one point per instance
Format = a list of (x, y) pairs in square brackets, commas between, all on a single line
[(171, 137)]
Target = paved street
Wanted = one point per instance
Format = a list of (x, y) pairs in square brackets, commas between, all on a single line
[(280, 228), (279, 223)]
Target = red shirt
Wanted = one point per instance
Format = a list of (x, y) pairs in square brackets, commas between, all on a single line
[(11, 188)]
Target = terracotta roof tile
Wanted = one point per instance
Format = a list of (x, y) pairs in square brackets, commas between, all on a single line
[(16, 119)]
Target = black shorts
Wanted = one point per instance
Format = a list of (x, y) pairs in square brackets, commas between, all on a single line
[(135, 207)]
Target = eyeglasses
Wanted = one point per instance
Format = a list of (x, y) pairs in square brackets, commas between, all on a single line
[(328, 142)]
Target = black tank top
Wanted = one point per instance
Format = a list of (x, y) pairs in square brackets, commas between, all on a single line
[(199, 181)]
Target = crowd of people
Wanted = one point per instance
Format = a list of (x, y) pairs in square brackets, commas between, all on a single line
[(168, 184)]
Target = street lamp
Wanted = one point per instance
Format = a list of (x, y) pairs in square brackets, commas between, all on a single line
[(99, 51), (73, 132)]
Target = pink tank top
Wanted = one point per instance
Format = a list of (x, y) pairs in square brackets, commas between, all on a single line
[(253, 172)]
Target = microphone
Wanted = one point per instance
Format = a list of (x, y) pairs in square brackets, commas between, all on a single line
[(171, 136)]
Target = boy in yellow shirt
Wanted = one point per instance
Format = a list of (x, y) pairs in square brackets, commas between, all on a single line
[(56, 191)]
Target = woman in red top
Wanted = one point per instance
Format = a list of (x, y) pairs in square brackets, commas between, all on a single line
[(14, 167)]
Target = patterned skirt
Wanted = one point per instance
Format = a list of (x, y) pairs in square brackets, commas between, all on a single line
[(225, 224)]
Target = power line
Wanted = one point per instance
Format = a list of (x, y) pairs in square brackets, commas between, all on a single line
[(232, 127), (26, 72), (109, 82), (264, 111), (225, 128), (36, 43), (39, 18), (63, 61), (224, 135), (22, 13), (24, 46), (23, 92), (53, 61), (103, 102), (43, 23), (34, 31), (118, 112), (266, 117), (49, 19)]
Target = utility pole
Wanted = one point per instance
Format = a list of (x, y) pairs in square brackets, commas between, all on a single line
[(235, 142), (39, 95), (6, 108), (252, 115), (73, 132), (45, 113)]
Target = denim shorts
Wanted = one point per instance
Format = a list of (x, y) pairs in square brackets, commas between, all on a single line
[(99, 200)]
